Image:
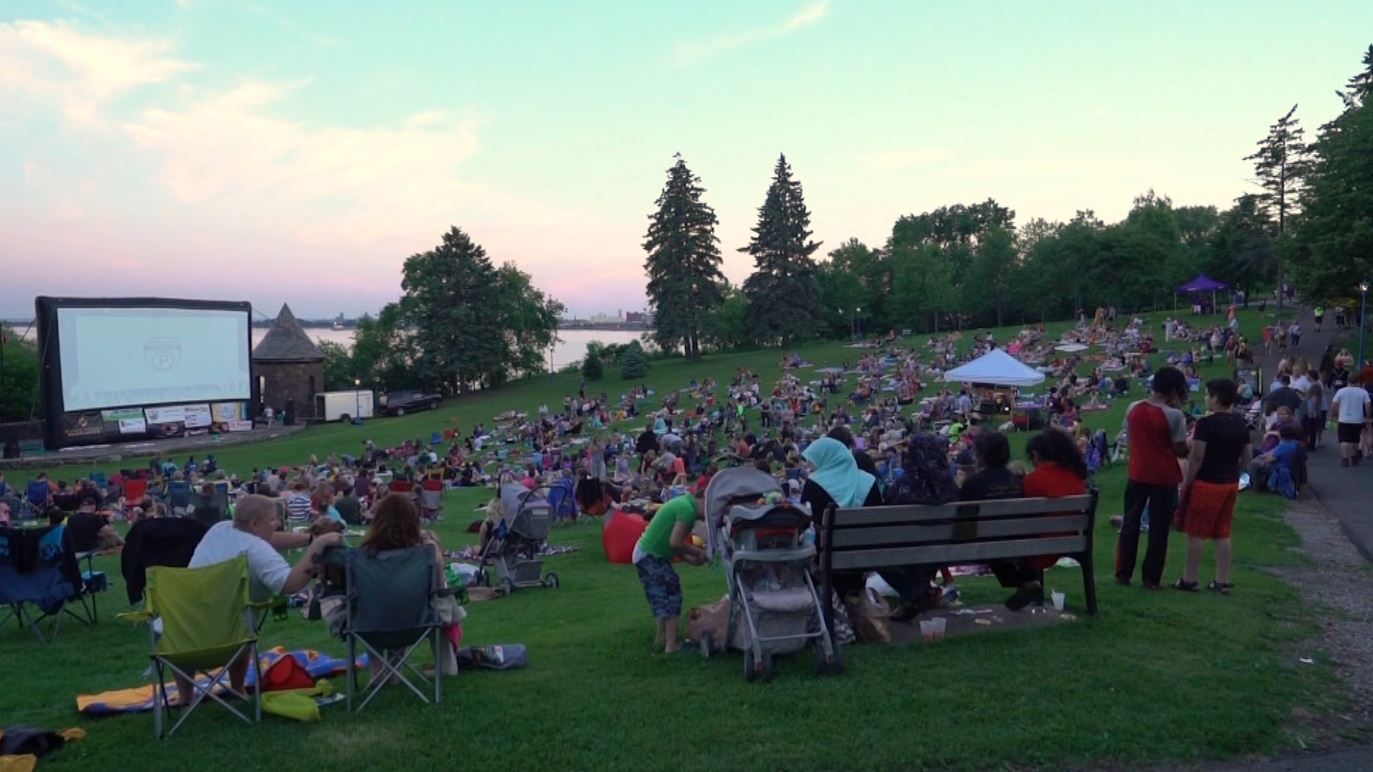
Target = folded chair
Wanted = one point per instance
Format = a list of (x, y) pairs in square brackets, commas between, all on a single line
[(206, 620), (40, 581), (431, 499), (389, 611)]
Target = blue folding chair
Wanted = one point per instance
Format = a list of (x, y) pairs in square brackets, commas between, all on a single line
[(40, 580)]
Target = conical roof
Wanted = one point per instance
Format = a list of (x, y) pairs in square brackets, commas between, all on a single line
[(286, 341)]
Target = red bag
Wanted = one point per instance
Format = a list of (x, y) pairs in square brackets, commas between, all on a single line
[(621, 533), (286, 673)]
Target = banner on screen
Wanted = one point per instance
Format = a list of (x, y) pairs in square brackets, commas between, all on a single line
[(166, 415), (124, 421), (197, 416), (225, 412), (240, 426), (82, 425)]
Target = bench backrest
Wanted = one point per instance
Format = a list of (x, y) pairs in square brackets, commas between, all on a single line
[(957, 533)]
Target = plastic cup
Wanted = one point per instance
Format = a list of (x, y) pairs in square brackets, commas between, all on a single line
[(932, 630), (939, 626), (1058, 599)]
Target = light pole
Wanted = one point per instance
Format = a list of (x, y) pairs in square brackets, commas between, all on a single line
[(857, 325), (357, 400), (1363, 313)]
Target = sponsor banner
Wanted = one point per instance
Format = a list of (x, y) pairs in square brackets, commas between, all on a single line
[(123, 414), (82, 425), (240, 426), (196, 416), (133, 426), (167, 429), (165, 415), (224, 412)]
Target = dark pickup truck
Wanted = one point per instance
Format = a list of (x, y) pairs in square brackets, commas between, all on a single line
[(401, 402)]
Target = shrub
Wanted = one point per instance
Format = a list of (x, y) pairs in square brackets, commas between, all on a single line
[(633, 364), (593, 369)]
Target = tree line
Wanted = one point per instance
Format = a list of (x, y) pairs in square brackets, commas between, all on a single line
[(1309, 223)]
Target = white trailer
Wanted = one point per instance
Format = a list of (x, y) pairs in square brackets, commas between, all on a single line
[(343, 405)]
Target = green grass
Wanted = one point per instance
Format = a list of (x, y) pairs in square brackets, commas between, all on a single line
[(1156, 677)]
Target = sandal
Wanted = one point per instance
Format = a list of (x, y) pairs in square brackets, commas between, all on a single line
[(1186, 586), (1223, 588)]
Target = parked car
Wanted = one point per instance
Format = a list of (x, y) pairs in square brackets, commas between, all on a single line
[(399, 403)]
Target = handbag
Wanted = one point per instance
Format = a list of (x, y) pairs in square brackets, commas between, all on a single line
[(447, 608)]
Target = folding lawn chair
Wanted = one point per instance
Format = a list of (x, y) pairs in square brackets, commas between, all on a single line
[(389, 611), (40, 580), (206, 616), (431, 499), (135, 489), (37, 495), (178, 496), (209, 509)]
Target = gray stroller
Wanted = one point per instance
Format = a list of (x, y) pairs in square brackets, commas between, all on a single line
[(518, 540), (774, 607)]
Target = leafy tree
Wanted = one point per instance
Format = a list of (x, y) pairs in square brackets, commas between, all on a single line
[(338, 366), (633, 362), (872, 272), (841, 292), (18, 377), (783, 294), (684, 280), (1280, 163), (922, 290), (475, 325), (727, 327), (1242, 248), (993, 265), (593, 368), (384, 352), (1332, 248)]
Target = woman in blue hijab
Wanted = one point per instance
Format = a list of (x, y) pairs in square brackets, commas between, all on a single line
[(835, 480)]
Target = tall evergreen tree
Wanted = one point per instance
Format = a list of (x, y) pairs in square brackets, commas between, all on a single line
[(783, 293), (685, 284), (1333, 239), (1280, 163)]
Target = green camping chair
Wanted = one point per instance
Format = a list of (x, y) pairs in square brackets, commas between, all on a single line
[(207, 623), (390, 612)]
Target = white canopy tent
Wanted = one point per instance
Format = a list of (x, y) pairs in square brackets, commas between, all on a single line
[(997, 368)]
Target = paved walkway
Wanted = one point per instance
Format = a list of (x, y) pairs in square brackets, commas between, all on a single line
[(1343, 491)]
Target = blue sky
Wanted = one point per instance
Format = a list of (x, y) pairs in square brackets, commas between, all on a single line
[(300, 151)]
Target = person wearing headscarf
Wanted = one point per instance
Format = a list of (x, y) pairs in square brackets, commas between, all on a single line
[(836, 481)]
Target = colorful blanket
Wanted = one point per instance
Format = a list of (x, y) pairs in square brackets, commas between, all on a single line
[(139, 699)]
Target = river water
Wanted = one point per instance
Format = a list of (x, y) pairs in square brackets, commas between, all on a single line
[(571, 345)]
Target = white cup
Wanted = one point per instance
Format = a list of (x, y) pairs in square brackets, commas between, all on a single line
[(1058, 599), (932, 630)]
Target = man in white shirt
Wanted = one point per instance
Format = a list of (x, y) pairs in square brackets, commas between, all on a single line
[(249, 535), (1352, 409)]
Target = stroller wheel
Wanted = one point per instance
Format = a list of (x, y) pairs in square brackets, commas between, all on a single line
[(550, 580), (765, 669), (836, 661), (750, 666), (507, 586), (707, 640)]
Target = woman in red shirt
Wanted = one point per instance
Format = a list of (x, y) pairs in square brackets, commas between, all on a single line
[(1059, 471)]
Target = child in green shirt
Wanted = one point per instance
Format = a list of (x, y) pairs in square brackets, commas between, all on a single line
[(667, 536)]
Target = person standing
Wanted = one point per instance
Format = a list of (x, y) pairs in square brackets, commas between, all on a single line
[(1220, 449), (1294, 334), (1156, 429), (1315, 413), (1319, 314), (1351, 408)]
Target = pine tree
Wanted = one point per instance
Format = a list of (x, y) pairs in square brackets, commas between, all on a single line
[(1280, 163), (685, 284), (783, 292)]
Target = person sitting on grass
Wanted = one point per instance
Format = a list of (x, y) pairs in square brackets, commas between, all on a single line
[(668, 535), (250, 535)]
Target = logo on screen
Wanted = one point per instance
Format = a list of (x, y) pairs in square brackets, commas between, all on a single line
[(162, 353)]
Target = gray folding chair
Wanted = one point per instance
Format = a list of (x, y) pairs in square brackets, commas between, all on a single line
[(389, 611)]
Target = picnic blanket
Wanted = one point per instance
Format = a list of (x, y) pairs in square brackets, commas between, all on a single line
[(139, 699)]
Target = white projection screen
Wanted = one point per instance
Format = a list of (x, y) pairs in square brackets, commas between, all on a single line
[(151, 355)]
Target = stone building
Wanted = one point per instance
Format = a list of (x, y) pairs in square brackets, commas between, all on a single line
[(289, 367)]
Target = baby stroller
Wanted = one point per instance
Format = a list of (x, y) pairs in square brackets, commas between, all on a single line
[(774, 607), (517, 540)]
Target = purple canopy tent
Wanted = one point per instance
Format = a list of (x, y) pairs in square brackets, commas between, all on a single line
[(1202, 283)]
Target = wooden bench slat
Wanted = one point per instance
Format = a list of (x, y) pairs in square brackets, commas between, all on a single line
[(955, 554), (850, 538), (914, 513)]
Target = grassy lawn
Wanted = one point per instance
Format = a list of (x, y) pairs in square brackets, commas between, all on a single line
[(1157, 677)]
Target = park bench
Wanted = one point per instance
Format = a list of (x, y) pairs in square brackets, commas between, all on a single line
[(935, 536)]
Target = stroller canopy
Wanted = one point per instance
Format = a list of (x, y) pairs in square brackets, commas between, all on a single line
[(729, 485)]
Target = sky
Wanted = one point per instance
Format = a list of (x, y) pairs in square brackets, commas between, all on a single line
[(299, 152)]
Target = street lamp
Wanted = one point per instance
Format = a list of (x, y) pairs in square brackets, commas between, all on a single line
[(1363, 312), (857, 325), (357, 400)]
